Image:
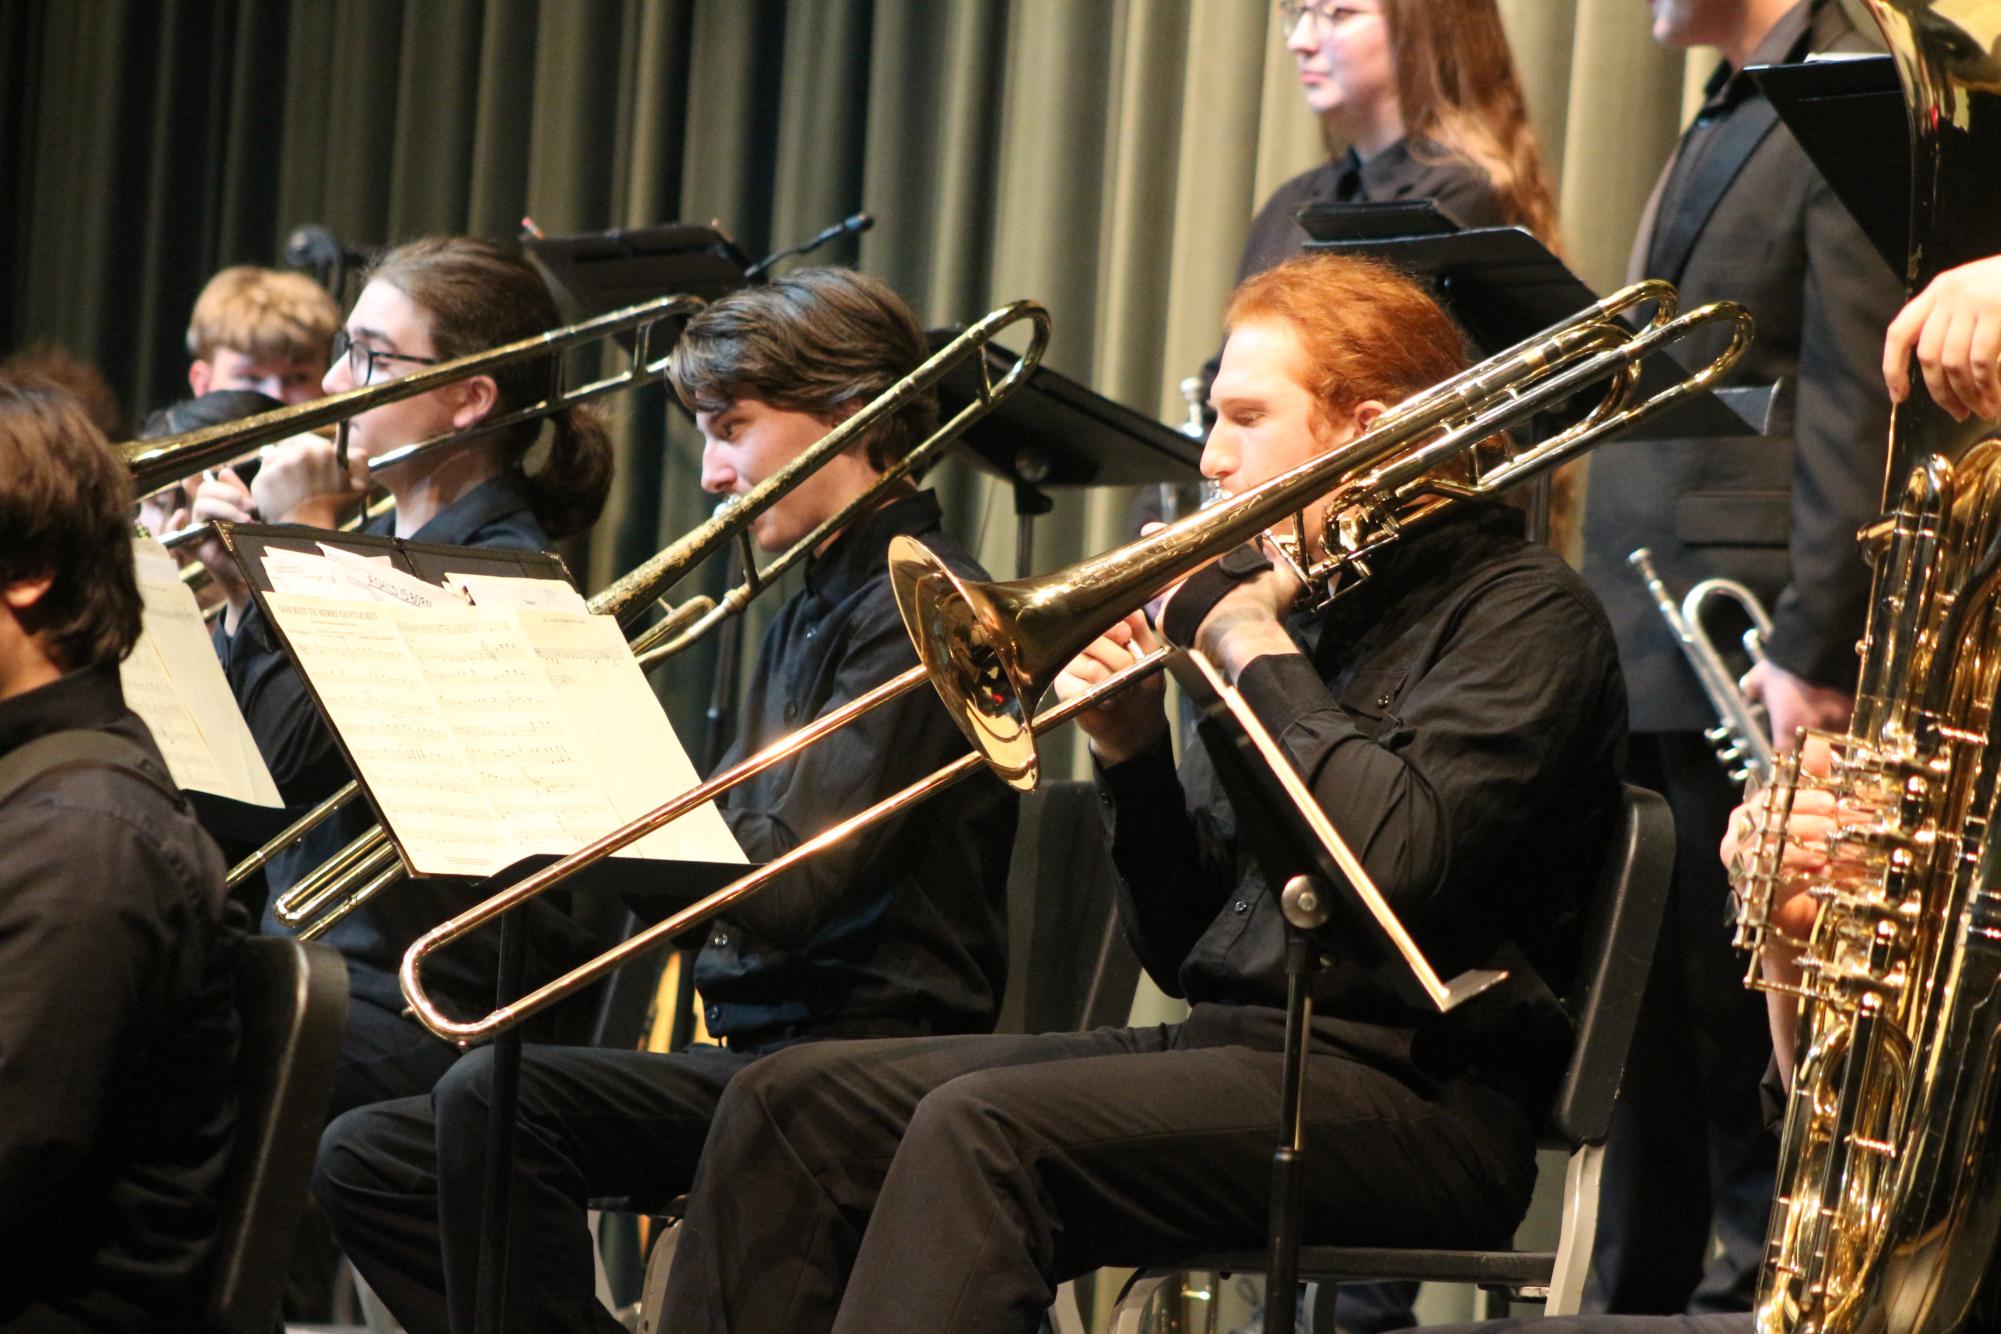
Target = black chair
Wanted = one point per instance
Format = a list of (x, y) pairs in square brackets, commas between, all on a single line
[(1620, 928), (293, 999)]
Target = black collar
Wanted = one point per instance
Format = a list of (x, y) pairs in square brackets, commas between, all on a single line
[(861, 551), (87, 699), (1785, 44), (496, 498)]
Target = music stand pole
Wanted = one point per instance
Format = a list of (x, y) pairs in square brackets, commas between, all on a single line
[(1304, 903), (493, 1238)]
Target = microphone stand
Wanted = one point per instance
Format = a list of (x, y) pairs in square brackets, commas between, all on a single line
[(854, 224)]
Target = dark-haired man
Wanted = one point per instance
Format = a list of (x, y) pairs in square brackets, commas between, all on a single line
[(900, 933), (118, 1026)]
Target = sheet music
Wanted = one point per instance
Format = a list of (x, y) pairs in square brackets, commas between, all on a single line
[(622, 732), (500, 590), (172, 680), (464, 729)]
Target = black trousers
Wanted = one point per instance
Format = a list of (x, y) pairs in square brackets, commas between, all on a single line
[(1689, 1149), (401, 1181), (952, 1183), (385, 1055)]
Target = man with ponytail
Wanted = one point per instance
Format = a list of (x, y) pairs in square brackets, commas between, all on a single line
[(425, 302)]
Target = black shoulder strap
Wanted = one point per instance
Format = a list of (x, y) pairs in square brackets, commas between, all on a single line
[(78, 748)]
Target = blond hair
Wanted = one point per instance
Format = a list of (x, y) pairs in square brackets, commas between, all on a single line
[(266, 314)]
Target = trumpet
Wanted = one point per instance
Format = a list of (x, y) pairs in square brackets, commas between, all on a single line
[(991, 650), (1742, 737), (369, 864)]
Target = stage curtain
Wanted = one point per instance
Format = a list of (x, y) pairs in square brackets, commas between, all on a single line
[(1101, 156)]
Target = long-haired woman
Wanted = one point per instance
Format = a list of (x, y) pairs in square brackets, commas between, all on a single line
[(424, 303)]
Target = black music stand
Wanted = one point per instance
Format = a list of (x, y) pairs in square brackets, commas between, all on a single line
[(1331, 911), (634, 879), (1849, 117), (1502, 285), (1055, 432), (598, 272)]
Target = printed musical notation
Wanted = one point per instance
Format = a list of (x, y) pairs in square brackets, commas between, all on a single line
[(486, 734), (173, 681)]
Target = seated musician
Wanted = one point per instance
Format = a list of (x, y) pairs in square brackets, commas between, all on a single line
[(1457, 716), (118, 1027), (424, 302), (902, 932), (261, 329)]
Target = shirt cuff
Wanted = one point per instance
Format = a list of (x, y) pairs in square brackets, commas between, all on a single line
[(1283, 688), (1145, 781)]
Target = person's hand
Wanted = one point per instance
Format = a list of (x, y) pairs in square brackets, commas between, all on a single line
[(1793, 702), (302, 481), (1249, 622), (220, 495), (1132, 720), (1954, 327)]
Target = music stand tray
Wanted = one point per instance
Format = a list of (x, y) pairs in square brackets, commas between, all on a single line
[(1503, 285), (1849, 117)]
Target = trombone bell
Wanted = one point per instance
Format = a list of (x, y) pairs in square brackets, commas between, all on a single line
[(961, 638)]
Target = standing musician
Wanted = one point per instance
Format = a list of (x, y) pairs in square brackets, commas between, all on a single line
[(425, 302), (901, 933), (1457, 716), (118, 1026), (1739, 213), (1424, 94), (1953, 329)]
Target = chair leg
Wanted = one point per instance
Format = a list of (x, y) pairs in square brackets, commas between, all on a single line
[(1065, 1316), (654, 1294), (1137, 1301), (1580, 1227)]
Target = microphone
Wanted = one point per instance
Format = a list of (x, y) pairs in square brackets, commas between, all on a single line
[(313, 245), (848, 226)]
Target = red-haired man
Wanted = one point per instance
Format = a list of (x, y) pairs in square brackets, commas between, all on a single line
[(1457, 717)]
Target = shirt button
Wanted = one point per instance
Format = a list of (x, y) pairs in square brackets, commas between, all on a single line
[(1240, 906), (1382, 701), (713, 1013), (722, 938), (791, 710), (810, 629)]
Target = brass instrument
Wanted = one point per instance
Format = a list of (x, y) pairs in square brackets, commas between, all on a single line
[(1889, 1183), (1742, 736), (369, 864), (159, 463), (991, 649)]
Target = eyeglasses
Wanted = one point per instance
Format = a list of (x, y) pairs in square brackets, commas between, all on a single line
[(361, 358), (1327, 16)]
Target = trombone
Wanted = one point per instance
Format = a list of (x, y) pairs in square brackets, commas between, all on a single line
[(369, 864), (162, 462), (991, 650)]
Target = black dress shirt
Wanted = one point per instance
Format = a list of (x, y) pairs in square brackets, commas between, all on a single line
[(307, 765), (1461, 190), (1459, 718), (903, 929), (118, 1032)]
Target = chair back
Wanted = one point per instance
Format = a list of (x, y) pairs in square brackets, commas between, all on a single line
[(293, 1002), (1620, 928), (1069, 966)]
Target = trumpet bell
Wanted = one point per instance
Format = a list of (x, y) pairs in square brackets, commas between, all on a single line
[(960, 630)]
